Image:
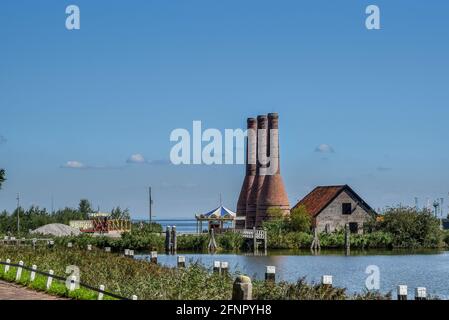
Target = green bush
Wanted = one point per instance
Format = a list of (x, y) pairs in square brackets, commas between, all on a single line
[(410, 227)]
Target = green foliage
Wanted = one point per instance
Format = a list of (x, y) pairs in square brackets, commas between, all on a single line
[(2, 177), (84, 207), (230, 241), (35, 217), (410, 228), (118, 213), (299, 220), (146, 227)]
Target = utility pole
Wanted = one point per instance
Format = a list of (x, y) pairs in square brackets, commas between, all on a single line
[(18, 217), (150, 203)]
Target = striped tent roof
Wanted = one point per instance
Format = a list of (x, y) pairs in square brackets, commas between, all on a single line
[(218, 213)]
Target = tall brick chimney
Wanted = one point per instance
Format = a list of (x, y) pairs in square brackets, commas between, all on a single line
[(272, 192), (251, 205), (251, 158)]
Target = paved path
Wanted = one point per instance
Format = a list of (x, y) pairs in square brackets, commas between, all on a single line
[(11, 291)]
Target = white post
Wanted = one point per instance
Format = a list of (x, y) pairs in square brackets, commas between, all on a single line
[(107, 249), (326, 280), (224, 267), (100, 294), (72, 283), (134, 297), (402, 292), (33, 273), (217, 265), (69, 245), (131, 253), (126, 252), (89, 247), (50, 279), (19, 271), (420, 293), (270, 273), (7, 265)]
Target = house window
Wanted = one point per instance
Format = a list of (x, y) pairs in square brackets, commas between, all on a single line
[(346, 208), (353, 227)]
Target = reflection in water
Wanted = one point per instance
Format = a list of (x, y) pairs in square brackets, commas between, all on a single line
[(427, 268)]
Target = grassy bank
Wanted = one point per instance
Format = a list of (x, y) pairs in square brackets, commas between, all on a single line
[(128, 277)]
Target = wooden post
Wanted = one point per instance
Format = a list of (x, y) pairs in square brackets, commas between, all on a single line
[(212, 246), (19, 271), (270, 274), (7, 265), (174, 244), (100, 294), (224, 267), (316, 246), (265, 241), (72, 283), (217, 265), (347, 239), (420, 293), (181, 262), (242, 288), (153, 257), (402, 292), (167, 240), (326, 280), (254, 240), (34, 242), (50, 279), (33, 273)]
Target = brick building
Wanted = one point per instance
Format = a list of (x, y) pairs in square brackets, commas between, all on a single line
[(331, 207)]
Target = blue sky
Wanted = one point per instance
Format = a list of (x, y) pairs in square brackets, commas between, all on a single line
[(136, 70)]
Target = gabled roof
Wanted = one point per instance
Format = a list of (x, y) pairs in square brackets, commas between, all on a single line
[(317, 200)]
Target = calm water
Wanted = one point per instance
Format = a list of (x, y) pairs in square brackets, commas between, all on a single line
[(182, 225), (428, 269)]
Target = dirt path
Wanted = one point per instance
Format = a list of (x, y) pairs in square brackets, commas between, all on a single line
[(11, 291)]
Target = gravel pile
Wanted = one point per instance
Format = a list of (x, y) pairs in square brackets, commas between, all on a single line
[(57, 230)]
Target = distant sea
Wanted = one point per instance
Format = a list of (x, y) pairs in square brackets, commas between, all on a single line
[(182, 225)]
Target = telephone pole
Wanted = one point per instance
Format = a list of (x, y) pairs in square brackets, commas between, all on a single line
[(150, 203), (18, 216)]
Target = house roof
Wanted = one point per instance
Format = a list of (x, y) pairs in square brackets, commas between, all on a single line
[(320, 197), (218, 213)]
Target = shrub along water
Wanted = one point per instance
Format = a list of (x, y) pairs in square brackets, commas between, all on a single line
[(127, 277)]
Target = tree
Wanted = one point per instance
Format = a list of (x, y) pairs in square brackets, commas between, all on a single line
[(2, 177), (410, 227), (84, 206), (300, 220), (118, 213)]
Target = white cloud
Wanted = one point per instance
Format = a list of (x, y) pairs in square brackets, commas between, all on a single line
[(74, 165), (324, 148), (136, 158)]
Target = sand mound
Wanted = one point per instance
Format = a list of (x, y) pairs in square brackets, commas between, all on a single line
[(57, 229)]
